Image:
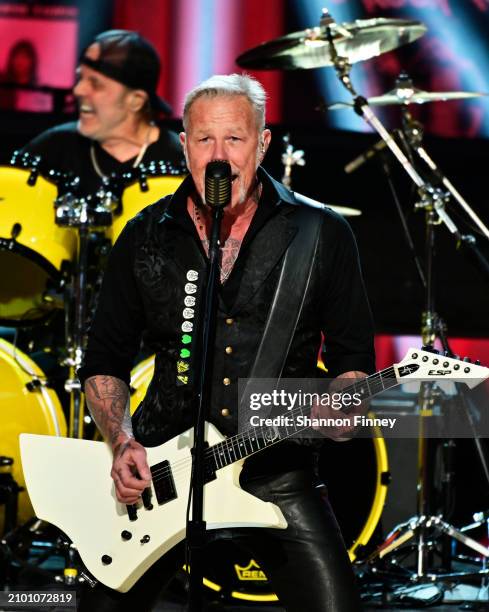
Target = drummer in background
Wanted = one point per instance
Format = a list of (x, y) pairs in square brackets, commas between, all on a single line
[(118, 106)]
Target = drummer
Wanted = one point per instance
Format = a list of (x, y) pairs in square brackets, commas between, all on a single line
[(117, 127)]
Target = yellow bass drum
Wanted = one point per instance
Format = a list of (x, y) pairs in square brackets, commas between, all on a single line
[(32, 247), (356, 474), (26, 406)]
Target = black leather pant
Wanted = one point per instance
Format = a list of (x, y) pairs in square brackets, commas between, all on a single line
[(307, 563)]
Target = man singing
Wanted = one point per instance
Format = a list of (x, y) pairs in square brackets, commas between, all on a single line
[(144, 295)]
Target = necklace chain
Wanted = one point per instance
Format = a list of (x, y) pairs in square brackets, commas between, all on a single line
[(136, 163), (200, 225)]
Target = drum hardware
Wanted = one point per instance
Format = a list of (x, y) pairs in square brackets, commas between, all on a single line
[(290, 157), (77, 333), (9, 495), (75, 212), (27, 161), (430, 533)]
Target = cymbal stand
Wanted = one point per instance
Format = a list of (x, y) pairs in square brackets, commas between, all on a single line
[(432, 200), (413, 133), (76, 323), (86, 215)]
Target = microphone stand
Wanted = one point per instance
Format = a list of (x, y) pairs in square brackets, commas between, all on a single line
[(196, 526)]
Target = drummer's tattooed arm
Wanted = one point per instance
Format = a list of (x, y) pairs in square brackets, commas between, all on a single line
[(108, 402)]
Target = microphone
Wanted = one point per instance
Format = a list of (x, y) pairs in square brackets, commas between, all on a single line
[(364, 157), (217, 187)]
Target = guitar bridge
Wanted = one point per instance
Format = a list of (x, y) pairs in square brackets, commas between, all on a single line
[(163, 482)]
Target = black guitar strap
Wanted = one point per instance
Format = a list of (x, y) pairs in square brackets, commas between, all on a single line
[(289, 296)]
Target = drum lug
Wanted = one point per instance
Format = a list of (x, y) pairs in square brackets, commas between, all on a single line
[(15, 231), (34, 384), (385, 478)]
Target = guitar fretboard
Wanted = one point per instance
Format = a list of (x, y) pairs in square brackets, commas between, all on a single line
[(255, 439)]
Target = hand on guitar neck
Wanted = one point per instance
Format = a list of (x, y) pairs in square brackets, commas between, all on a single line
[(108, 402), (346, 431)]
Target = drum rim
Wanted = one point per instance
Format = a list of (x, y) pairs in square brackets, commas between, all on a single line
[(32, 369), (13, 246), (31, 170)]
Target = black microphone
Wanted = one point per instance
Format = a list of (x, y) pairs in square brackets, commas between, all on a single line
[(218, 183)]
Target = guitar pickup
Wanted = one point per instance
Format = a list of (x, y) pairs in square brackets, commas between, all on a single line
[(163, 482)]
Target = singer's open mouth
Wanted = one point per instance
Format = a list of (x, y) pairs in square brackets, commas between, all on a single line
[(234, 176)]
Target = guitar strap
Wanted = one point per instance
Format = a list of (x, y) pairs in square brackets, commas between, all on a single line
[(289, 296)]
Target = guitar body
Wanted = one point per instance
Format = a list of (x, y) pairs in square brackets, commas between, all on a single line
[(70, 486)]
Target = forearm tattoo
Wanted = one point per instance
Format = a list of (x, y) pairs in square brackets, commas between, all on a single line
[(108, 402)]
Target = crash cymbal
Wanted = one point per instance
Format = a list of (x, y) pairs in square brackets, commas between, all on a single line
[(357, 41), (410, 95)]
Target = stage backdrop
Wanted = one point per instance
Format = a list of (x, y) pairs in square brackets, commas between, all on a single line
[(198, 38)]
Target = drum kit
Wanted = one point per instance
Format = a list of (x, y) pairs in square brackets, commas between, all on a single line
[(53, 247), (52, 253)]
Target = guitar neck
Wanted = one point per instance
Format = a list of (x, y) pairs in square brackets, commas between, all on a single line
[(256, 439)]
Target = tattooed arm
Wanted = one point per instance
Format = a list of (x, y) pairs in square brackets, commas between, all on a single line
[(108, 402)]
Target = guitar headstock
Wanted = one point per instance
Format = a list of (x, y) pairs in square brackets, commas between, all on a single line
[(424, 365)]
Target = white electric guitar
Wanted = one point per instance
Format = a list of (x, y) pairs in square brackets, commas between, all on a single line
[(69, 482)]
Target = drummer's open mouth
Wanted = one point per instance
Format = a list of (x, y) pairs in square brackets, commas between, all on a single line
[(86, 108)]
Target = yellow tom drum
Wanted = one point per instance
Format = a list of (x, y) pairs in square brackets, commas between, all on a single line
[(143, 188), (356, 476), (32, 247), (26, 406)]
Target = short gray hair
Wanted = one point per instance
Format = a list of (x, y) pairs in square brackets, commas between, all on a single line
[(229, 85)]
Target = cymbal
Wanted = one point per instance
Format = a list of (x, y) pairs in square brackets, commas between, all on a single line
[(345, 211), (356, 41), (410, 95)]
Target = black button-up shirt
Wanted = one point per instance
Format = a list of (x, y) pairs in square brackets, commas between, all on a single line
[(146, 289)]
